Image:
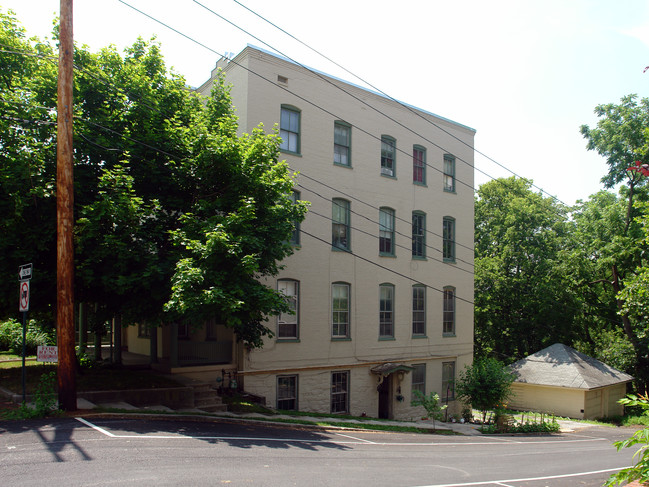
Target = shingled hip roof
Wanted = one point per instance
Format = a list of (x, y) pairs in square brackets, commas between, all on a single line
[(561, 366)]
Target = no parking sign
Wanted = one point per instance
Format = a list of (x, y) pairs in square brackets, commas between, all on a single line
[(24, 296)]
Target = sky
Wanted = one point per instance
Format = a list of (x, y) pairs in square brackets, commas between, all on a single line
[(525, 74)]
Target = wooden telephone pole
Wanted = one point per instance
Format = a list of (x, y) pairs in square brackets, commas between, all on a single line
[(67, 380)]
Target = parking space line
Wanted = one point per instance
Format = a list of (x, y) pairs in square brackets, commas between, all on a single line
[(357, 439), (95, 427)]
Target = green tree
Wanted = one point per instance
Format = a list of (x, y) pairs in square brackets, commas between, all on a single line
[(485, 385), (177, 216), (522, 300), (430, 403), (618, 248)]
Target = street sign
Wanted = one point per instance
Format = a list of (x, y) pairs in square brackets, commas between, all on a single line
[(25, 272), (24, 296)]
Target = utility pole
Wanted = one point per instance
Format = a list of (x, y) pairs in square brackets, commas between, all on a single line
[(67, 380)]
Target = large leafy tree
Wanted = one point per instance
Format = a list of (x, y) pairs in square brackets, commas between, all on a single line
[(177, 217), (522, 300), (611, 227)]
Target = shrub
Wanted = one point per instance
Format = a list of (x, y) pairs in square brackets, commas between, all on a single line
[(485, 384), (639, 471), (11, 337), (430, 404)]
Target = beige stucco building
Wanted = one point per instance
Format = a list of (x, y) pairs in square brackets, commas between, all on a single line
[(382, 278)]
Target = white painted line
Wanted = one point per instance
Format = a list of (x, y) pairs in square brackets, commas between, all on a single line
[(95, 427), (357, 439), (530, 479)]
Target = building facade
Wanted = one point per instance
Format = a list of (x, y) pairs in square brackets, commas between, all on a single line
[(381, 282)]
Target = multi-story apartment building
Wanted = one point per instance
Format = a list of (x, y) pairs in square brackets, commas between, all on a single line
[(382, 278)]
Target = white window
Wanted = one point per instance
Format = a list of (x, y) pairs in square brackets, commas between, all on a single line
[(340, 310), (287, 323), (340, 392)]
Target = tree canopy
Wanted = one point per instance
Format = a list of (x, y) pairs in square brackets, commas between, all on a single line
[(522, 302), (177, 216)]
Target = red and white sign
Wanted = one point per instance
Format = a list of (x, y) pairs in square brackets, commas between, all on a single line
[(24, 296), (47, 354)]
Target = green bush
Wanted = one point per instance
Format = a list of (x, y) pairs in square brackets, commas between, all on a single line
[(639, 471), (11, 337)]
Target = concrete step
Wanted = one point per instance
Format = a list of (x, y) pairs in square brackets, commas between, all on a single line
[(207, 399)]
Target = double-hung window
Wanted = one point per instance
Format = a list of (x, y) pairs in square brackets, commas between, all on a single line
[(386, 311), (288, 323), (342, 144), (448, 381), (287, 392), (295, 236), (340, 224), (448, 239), (418, 165), (340, 310), (386, 231), (388, 156), (340, 392), (418, 235), (418, 310), (418, 379), (289, 129), (449, 173), (448, 317)]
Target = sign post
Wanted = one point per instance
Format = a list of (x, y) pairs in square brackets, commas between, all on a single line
[(24, 276)]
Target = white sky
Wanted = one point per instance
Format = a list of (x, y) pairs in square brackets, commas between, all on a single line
[(524, 73)]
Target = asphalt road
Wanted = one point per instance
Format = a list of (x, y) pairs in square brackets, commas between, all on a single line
[(158, 452)]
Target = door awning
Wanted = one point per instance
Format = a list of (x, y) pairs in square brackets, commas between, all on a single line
[(389, 368)]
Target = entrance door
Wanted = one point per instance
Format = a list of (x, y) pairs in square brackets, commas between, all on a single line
[(385, 398)]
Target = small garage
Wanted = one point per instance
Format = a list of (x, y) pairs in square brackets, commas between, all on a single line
[(562, 381)]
